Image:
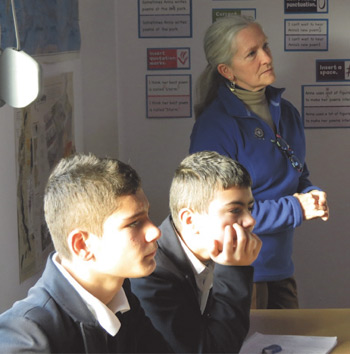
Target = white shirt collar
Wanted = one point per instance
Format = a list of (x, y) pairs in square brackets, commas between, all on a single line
[(105, 315), (203, 274)]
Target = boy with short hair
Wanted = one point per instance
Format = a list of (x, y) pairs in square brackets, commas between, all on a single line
[(97, 214), (199, 295)]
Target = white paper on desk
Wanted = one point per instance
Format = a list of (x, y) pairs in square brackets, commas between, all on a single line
[(290, 344)]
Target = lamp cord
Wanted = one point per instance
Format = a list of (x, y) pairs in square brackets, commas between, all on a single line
[(15, 23)]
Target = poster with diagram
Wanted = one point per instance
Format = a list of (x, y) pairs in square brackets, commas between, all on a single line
[(44, 134)]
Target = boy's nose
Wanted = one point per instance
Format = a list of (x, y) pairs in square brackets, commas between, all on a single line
[(152, 233)]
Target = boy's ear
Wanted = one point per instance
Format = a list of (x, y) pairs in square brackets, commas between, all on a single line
[(188, 220), (80, 245)]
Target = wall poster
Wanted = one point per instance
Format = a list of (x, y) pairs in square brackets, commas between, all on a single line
[(44, 134), (165, 18), (168, 96)]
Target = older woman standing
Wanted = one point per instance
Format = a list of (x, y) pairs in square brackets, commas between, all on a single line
[(240, 115)]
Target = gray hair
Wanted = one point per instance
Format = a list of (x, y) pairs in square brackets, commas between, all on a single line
[(219, 48), (199, 176), (81, 192)]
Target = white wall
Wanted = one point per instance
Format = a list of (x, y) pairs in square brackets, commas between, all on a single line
[(110, 120), (155, 146), (99, 85)]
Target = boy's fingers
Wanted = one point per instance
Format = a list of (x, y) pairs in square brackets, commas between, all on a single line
[(241, 237)]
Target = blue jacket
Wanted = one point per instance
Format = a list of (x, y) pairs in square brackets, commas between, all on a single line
[(170, 299), (228, 127), (54, 319)]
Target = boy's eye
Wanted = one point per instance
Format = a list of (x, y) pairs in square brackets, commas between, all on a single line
[(239, 210), (134, 224)]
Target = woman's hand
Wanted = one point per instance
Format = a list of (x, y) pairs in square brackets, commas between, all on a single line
[(313, 204)]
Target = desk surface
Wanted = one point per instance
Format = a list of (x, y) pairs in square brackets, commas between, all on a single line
[(308, 322)]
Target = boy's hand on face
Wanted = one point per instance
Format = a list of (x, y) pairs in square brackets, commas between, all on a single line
[(240, 247)]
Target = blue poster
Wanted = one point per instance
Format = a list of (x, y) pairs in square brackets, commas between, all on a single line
[(44, 26)]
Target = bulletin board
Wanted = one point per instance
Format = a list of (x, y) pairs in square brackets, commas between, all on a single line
[(305, 30)]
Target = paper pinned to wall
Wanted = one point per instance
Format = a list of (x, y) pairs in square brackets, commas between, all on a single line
[(44, 134), (289, 343)]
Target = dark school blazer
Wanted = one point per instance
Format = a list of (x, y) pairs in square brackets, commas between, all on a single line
[(169, 297), (53, 318)]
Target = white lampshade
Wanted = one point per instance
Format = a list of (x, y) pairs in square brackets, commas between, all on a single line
[(20, 78)]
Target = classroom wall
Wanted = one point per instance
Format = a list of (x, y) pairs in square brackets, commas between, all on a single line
[(11, 289), (110, 119), (155, 146), (95, 123), (100, 87)]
